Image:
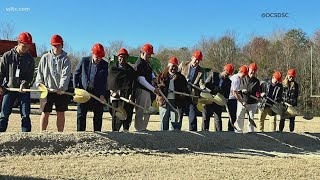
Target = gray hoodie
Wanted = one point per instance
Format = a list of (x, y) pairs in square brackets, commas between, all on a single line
[(54, 71)]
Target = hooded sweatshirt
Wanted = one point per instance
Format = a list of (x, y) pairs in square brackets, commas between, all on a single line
[(54, 71)]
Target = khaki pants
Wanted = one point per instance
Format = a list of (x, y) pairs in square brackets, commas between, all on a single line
[(273, 120), (241, 111), (143, 98)]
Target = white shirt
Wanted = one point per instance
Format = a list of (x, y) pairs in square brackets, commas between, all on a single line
[(235, 85)]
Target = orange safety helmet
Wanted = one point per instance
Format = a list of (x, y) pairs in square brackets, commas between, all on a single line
[(229, 68), (291, 72), (277, 75), (148, 48), (25, 38), (98, 50), (243, 69), (198, 55), (253, 66), (123, 51), (173, 60), (56, 40)]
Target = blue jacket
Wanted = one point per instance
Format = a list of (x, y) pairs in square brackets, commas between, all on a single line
[(81, 76)]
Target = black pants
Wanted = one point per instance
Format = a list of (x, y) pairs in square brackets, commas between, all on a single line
[(207, 112), (117, 123), (82, 110), (291, 124), (232, 105)]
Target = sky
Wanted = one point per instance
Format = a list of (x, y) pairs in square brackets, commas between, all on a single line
[(169, 23)]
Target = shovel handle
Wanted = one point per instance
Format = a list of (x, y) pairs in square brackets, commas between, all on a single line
[(184, 94), (26, 90), (130, 102)]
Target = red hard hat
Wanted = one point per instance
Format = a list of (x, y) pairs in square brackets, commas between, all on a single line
[(244, 69), (253, 66), (198, 55), (123, 51), (229, 68), (148, 48), (173, 60), (98, 50), (292, 73), (277, 75), (25, 38), (56, 40)]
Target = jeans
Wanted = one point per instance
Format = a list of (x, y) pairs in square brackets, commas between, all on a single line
[(291, 123), (7, 104), (168, 116)]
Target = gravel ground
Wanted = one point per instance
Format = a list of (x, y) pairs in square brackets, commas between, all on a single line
[(157, 155)]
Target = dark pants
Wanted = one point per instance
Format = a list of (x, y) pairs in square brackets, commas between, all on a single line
[(232, 105), (82, 110), (117, 123), (7, 104), (291, 124), (191, 110), (207, 112)]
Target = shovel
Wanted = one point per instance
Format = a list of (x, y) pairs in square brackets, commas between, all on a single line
[(183, 94), (292, 111), (79, 95), (176, 124), (41, 88), (119, 112), (146, 111)]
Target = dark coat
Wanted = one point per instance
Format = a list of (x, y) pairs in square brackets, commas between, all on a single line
[(180, 85), (81, 76)]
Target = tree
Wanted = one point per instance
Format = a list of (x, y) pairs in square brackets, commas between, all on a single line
[(7, 30)]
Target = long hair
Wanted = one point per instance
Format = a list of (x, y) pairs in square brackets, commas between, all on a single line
[(287, 83)]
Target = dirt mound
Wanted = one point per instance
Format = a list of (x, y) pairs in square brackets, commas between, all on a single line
[(104, 143)]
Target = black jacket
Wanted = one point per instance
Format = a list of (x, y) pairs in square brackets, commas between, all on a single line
[(290, 94), (217, 84), (10, 62), (276, 93), (252, 85), (121, 78)]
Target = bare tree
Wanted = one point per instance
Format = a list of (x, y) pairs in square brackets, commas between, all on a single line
[(7, 30)]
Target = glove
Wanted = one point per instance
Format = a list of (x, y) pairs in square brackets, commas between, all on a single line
[(244, 91), (263, 95)]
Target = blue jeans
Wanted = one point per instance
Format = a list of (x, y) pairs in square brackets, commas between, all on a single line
[(168, 116), (191, 109), (7, 105)]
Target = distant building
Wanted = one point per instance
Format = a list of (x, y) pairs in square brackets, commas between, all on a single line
[(6, 45)]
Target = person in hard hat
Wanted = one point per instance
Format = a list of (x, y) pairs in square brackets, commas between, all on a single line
[(193, 72), (273, 90), (121, 77), (170, 81), (290, 95), (91, 75), (144, 87), (16, 71), (216, 83), (54, 71), (249, 86), (233, 96)]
